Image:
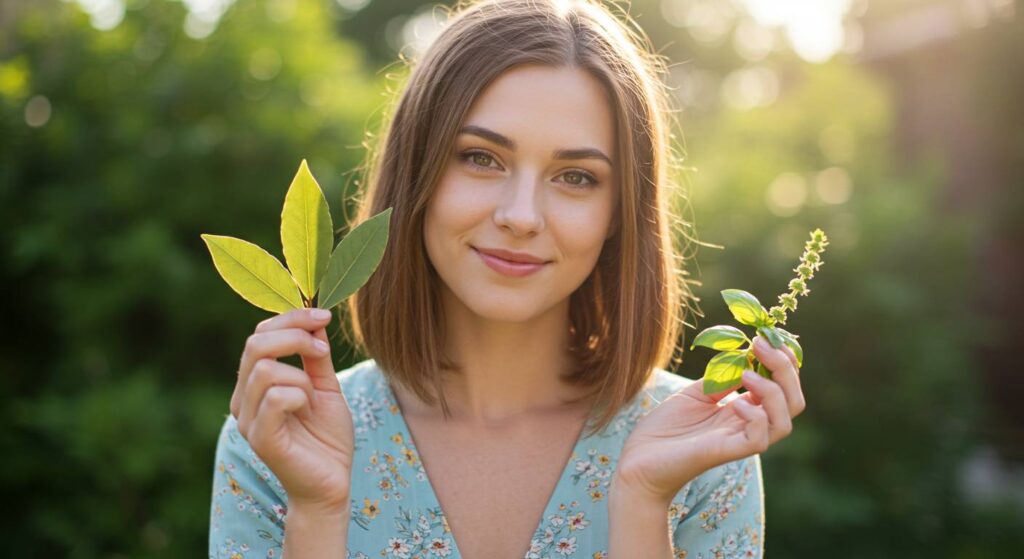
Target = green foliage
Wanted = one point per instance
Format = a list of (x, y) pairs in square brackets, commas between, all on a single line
[(120, 356)]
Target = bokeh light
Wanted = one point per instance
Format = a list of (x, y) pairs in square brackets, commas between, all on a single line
[(786, 194), (37, 111), (833, 185), (813, 28)]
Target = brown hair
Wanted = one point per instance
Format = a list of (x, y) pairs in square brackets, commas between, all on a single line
[(627, 315)]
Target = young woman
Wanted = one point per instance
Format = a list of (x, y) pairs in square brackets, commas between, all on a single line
[(516, 403)]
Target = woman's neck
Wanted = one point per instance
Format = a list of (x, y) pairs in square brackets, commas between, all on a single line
[(509, 369)]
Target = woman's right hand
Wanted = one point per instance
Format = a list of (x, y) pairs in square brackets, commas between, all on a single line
[(297, 421)]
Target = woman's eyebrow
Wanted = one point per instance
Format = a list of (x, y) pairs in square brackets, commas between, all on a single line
[(508, 143)]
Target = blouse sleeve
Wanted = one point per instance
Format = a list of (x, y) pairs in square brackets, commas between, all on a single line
[(249, 504), (721, 513)]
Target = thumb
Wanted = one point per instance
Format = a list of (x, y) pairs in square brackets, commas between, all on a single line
[(321, 369), (696, 390)]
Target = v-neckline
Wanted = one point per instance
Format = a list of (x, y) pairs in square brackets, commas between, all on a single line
[(436, 502)]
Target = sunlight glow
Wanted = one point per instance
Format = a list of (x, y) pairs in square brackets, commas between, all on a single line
[(420, 30), (747, 88), (707, 21), (203, 16), (814, 27), (103, 14)]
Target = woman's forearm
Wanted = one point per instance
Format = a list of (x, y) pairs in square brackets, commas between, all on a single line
[(315, 532), (638, 526)]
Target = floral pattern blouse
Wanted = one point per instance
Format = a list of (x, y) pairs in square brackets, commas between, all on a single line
[(396, 515)]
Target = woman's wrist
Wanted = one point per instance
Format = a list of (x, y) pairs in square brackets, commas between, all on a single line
[(325, 509), (638, 523), (315, 530)]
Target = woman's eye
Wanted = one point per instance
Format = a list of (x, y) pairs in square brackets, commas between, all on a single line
[(575, 179), (581, 176), (478, 159)]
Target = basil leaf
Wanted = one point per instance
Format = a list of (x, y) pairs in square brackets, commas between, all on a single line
[(745, 307), (721, 338)]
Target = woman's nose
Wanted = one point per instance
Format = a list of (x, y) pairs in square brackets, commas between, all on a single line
[(520, 210)]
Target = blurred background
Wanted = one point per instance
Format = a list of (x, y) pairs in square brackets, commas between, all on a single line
[(129, 127)]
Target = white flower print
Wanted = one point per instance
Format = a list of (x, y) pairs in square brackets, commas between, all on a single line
[(577, 522), (398, 548), (441, 547), (566, 546)]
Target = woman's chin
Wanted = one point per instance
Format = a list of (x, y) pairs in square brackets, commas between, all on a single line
[(496, 307)]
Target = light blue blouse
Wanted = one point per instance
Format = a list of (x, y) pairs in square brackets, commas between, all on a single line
[(395, 513)]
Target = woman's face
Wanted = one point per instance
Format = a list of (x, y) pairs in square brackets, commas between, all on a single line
[(531, 172)]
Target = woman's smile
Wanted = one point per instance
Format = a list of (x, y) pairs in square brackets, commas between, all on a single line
[(507, 267)]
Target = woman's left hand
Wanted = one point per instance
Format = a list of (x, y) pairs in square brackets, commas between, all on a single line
[(691, 432)]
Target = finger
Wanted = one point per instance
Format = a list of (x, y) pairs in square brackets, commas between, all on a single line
[(792, 357), (784, 372), (781, 357), (273, 412), (321, 367), (774, 402), (275, 344), (307, 319), (266, 374), (719, 397), (304, 318), (696, 390), (755, 437)]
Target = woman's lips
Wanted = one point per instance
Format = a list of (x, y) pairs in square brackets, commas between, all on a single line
[(505, 267)]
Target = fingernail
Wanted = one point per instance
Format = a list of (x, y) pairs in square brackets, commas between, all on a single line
[(761, 342), (320, 314), (749, 376), (321, 346)]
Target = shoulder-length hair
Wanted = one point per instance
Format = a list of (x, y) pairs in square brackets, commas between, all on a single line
[(626, 317)]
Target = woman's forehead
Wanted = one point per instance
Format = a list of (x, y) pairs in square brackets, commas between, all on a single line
[(562, 107)]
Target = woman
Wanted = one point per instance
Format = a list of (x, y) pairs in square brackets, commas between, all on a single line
[(516, 403)]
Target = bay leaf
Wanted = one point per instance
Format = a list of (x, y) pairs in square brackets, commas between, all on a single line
[(354, 259), (253, 273), (307, 232)]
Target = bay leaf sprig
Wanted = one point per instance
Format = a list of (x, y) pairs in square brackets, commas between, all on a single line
[(725, 370), (316, 275)]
